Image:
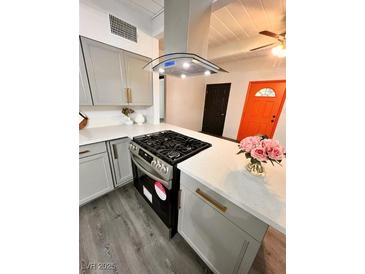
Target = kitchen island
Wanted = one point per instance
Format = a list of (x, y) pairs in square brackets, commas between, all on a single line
[(218, 168)]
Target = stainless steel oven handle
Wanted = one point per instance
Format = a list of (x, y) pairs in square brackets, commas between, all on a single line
[(165, 183)]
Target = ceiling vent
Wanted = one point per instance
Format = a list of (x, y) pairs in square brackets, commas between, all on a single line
[(123, 29)]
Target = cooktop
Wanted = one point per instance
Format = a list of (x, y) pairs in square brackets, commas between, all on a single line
[(170, 146)]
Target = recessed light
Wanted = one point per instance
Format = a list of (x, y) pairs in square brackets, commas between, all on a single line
[(161, 70), (183, 76), (207, 72), (186, 65)]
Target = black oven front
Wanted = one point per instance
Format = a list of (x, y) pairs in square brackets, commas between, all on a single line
[(161, 195)]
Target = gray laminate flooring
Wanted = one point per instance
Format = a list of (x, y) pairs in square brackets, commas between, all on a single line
[(117, 236)]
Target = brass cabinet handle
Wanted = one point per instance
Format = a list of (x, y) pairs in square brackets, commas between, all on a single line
[(115, 151), (129, 95), (85, 151), (206, 197), (126, 91)]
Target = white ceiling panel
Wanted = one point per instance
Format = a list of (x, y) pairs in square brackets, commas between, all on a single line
[(234, 22)]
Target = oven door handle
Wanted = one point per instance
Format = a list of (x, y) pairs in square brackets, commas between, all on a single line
[(140, 166)]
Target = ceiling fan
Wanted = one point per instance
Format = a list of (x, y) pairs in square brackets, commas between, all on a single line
[(279, 50)]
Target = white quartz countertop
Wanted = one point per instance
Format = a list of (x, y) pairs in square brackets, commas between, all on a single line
[(219, 168)]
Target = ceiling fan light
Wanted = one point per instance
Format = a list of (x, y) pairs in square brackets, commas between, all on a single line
[(282, 53), (276, 50)]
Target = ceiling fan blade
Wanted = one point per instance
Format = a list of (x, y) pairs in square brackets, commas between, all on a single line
[(269, 33), (262, 47)]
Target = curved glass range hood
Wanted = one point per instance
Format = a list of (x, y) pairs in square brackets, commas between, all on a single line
[(182, 65)]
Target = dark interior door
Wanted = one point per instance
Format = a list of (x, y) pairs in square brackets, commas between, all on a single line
[(215, 108)]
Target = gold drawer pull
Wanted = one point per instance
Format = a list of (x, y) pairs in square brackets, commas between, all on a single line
[(206, 197), (85, 151)]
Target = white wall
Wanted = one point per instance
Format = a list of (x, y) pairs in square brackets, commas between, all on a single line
[(185, 101), (94, 24), (185, 97)]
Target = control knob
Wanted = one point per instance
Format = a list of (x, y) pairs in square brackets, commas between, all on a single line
[(164, 170), (153, 163)]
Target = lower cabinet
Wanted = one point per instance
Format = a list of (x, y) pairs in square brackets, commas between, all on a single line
[(121, 161), (223, 245), (95, 177)]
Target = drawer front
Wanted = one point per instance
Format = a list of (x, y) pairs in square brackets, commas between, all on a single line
[(247, 222), (91, 149)]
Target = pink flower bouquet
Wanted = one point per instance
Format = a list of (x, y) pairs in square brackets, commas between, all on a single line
[(260, 149)]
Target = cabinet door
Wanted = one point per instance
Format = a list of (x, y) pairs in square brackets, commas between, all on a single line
[(95, 177), (121, 159), (84, 89), (138, 79), (105, 70), (220, 243)]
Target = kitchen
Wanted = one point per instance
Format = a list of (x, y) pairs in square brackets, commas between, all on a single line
[(187, 160), (179, 172)]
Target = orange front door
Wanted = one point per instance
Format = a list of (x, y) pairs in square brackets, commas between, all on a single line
[(261, 111)]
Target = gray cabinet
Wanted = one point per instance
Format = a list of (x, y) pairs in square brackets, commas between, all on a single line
[(139, 81), (121, 161), (84, 89), (206, 223), (104, 65), (116, 76), (95, 177)]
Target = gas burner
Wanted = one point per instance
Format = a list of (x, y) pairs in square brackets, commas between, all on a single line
[(173, 154)]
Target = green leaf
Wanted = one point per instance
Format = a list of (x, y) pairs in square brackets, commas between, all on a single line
[(239, 152)]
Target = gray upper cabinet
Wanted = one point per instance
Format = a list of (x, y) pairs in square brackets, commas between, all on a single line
[(139, 81), (84, 89), (104, 65), (116, 76), (121, 161)]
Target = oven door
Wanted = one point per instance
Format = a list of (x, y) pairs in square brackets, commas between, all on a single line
[(156, 191)]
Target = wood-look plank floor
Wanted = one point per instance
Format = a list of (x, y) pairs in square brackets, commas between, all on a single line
[(117, 236)]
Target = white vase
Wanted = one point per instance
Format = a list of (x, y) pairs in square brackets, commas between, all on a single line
[(128, 122), (139, 119)]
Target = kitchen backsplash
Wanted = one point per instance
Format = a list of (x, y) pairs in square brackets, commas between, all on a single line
[(101, 116)]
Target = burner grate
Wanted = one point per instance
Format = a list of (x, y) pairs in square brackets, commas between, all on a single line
[(171, 146)]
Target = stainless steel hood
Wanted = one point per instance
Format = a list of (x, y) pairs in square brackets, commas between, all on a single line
[(186, 40)]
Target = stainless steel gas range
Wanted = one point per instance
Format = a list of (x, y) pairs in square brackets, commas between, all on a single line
[(156, 177)]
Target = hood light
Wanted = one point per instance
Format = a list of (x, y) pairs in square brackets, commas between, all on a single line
[(186, 65), (183, 76), (207, 72), (161, 70)]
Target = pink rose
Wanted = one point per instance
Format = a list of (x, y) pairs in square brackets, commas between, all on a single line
[(248, 143), (276, 153), (259, 153), (269, 144)]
